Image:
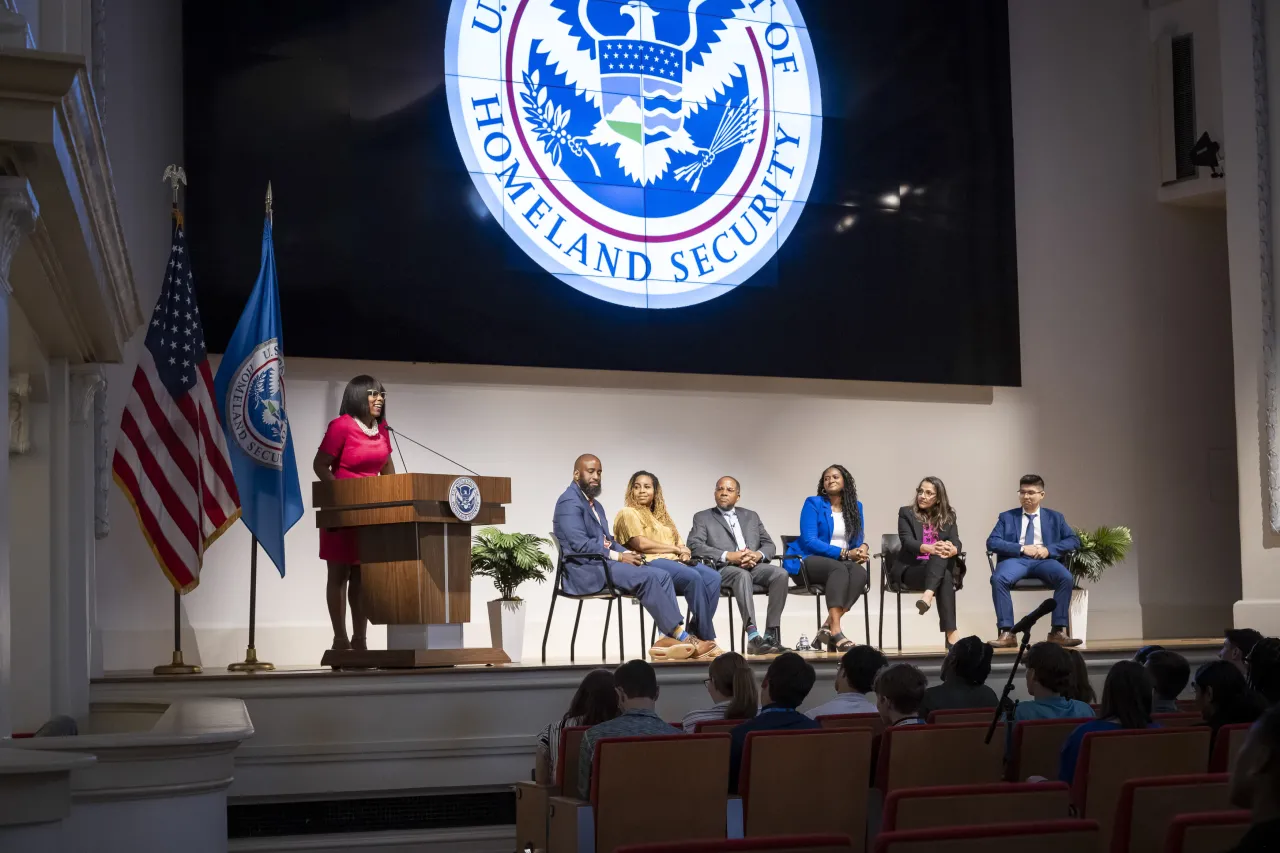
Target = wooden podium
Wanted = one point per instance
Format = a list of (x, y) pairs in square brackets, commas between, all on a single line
[(415, 557)]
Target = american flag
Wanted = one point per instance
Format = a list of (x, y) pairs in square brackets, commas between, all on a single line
[(171, 457)]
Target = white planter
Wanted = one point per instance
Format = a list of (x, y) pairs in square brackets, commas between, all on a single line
[(506, 627), (1079, 614)]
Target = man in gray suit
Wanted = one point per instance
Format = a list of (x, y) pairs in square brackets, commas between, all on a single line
[(735, 541)]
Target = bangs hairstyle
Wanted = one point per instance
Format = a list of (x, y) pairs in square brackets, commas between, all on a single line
[(355, 399)]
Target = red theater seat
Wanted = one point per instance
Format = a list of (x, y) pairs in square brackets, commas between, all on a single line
[(776, 844), (1042, 836), (973, 805), (1212, 832)]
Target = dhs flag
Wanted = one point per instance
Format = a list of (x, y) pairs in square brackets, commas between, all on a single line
[(249, 391)]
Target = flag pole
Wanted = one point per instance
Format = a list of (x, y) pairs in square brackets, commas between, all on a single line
[(251, 662), (177, 666)]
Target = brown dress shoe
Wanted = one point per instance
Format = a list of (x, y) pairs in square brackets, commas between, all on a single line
[(705, 648), (1061, 638), (1006, 640), (669, 648)]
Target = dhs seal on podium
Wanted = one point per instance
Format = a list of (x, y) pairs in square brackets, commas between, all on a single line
[(464, 499), (649, 153)]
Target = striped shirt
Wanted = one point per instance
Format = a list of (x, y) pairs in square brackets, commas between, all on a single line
[(639, 721), (549, 742), (715, 712)]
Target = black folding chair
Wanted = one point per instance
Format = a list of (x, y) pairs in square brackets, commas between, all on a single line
[(817, 590), (608, 592)]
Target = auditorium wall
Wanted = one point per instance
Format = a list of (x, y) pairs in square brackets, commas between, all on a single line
[(1126, 405)]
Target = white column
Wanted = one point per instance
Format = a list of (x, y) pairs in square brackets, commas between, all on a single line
[(18, 212), (59, 537), (86, 384)]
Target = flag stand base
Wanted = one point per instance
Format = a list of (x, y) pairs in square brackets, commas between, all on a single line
[(177, 667), (251, 663)]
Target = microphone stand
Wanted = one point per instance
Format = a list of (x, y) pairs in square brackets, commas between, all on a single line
[(1004, 703), (428, 449)]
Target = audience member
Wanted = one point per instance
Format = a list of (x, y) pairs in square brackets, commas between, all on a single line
[(964, 679), (595, 701), (582, 529), (1169, 672), (1049, 681), (1081, 688), (1255, 785), (1126, 704), (732, 687), (831, 544), (1224, 696), (733, 538), (899, 692), (784, 688), (1030, 542), (1236, 645), (644, 526), (930, 555), (1262, 667), (637, 687), (855, 678), (1141, 655)]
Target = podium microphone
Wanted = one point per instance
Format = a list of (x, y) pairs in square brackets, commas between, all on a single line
[(395, 432), (1045, 608)]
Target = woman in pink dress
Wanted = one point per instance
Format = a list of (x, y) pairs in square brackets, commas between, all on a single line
[(356, 444)]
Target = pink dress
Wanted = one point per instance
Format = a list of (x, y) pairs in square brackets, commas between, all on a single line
[(354, 454)]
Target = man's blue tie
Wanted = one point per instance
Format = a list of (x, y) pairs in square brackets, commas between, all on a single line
[(1029, 538)]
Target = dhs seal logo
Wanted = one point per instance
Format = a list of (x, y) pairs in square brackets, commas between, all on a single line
[(650, 153), (255, 406), (464, 498)]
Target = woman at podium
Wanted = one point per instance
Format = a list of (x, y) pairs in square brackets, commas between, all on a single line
[(356, 444)]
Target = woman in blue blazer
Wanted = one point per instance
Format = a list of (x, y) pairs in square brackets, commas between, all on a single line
[(835, 556)]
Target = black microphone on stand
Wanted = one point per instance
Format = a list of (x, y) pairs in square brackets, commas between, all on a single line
[(395, 432), (1023, 628)]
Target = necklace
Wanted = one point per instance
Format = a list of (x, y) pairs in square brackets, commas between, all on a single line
[(371, 431)]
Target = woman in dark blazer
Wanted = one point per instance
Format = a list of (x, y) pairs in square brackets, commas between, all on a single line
[(930, 554), (835, 555)]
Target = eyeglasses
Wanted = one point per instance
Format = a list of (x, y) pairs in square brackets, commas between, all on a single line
[(374, 392), (1030, 493)]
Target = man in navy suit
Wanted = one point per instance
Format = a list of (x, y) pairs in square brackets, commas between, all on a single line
[(1031, 541), (582, 529)]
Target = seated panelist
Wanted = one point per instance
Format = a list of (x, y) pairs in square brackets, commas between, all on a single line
[(582, 530), (645, 527), (930, 554), (734, 540), (835, 556), (1030, 542)]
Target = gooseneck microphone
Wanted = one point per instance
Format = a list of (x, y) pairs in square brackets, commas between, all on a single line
[(1045, 608), (396, 432)]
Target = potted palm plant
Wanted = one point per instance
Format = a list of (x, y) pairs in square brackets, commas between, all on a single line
[(1099, 550), (508, 559)]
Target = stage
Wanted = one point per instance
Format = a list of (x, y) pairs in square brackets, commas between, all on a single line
[(371, 733)]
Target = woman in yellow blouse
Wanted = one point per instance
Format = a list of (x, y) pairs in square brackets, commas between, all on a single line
[(645, 526)]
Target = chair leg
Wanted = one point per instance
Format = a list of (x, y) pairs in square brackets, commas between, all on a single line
[(547, 632), (732, 634), (899, 619), (604, 641), (882, 585), (622, 650), (573, 641), (866, 613), (641, 609)]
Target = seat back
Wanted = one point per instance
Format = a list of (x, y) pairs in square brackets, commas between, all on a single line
[(567, 757), (1176, 720), (1109, 759), (1188, 705), (1226, 746), (962, 715), (712, 726), (1147, 807), (939, 754), (1044, 836), (784, 844), (632, 781), (777, 764), (1037, 745), (973, 805), (890, 545), (1211, 832), (852, 721)]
